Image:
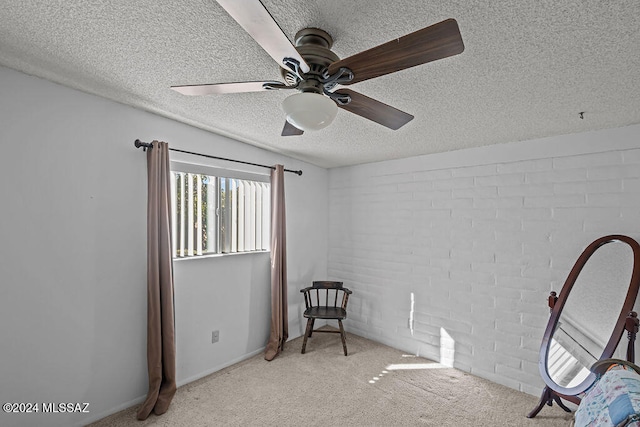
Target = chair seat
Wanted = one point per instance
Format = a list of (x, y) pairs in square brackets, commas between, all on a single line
[(325, 313)]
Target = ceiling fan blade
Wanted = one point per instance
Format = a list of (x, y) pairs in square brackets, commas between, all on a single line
[(222, 88), (258, 22), (429, 44), (374, 110), (290, 130)]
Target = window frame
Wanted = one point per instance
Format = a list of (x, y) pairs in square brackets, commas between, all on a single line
[(229, 174)]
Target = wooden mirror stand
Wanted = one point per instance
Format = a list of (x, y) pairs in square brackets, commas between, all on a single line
[(626, 320)]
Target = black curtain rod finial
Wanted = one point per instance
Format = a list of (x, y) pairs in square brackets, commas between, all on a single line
[(137, 143)]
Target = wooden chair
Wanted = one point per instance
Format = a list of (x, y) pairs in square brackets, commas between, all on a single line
[(321, 301)]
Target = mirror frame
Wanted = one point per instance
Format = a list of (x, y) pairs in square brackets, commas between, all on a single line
[(618, 330)]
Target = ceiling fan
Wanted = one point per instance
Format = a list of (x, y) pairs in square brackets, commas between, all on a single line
[(314, 70)]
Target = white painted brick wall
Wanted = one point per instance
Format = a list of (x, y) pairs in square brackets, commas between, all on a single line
[(479, 237)]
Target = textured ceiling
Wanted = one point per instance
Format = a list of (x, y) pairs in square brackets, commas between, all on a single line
[(529, 68)]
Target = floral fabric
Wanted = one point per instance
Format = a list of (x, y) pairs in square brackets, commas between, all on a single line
[(613, 401)]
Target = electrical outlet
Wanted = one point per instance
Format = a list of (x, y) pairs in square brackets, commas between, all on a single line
[(215, 337)]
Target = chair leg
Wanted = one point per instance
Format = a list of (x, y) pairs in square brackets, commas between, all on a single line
[(307, 334), (313, 322), (343, 336)]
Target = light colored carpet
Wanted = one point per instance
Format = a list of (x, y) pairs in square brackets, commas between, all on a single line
[(373, 386)]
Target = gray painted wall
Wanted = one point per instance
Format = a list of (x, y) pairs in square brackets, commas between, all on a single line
[(73, 254)]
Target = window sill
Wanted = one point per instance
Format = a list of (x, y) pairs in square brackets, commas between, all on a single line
[(219, 255)]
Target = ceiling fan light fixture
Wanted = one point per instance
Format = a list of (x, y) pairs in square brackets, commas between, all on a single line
[(309, 111)]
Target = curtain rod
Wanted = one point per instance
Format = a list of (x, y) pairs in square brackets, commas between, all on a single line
[(145, 145)]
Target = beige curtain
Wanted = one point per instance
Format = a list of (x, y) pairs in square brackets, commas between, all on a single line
[(279, 317), (161, 349)]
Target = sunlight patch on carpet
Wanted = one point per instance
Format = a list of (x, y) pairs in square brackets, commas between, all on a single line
[(405, 367), (411, 366)]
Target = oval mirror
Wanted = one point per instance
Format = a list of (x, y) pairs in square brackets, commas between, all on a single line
[(588, 318)]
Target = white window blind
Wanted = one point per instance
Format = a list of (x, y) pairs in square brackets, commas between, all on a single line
[(216, 214)]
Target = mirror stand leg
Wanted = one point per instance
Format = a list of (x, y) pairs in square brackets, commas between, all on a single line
[(543, 399), (559, 402), (547, 398)]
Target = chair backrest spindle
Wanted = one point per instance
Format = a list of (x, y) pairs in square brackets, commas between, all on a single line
[(326, 287)]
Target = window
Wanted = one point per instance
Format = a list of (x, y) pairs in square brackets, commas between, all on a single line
[(215, 214)]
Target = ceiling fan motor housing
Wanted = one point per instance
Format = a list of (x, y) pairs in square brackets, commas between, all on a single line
[(314, 45)]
